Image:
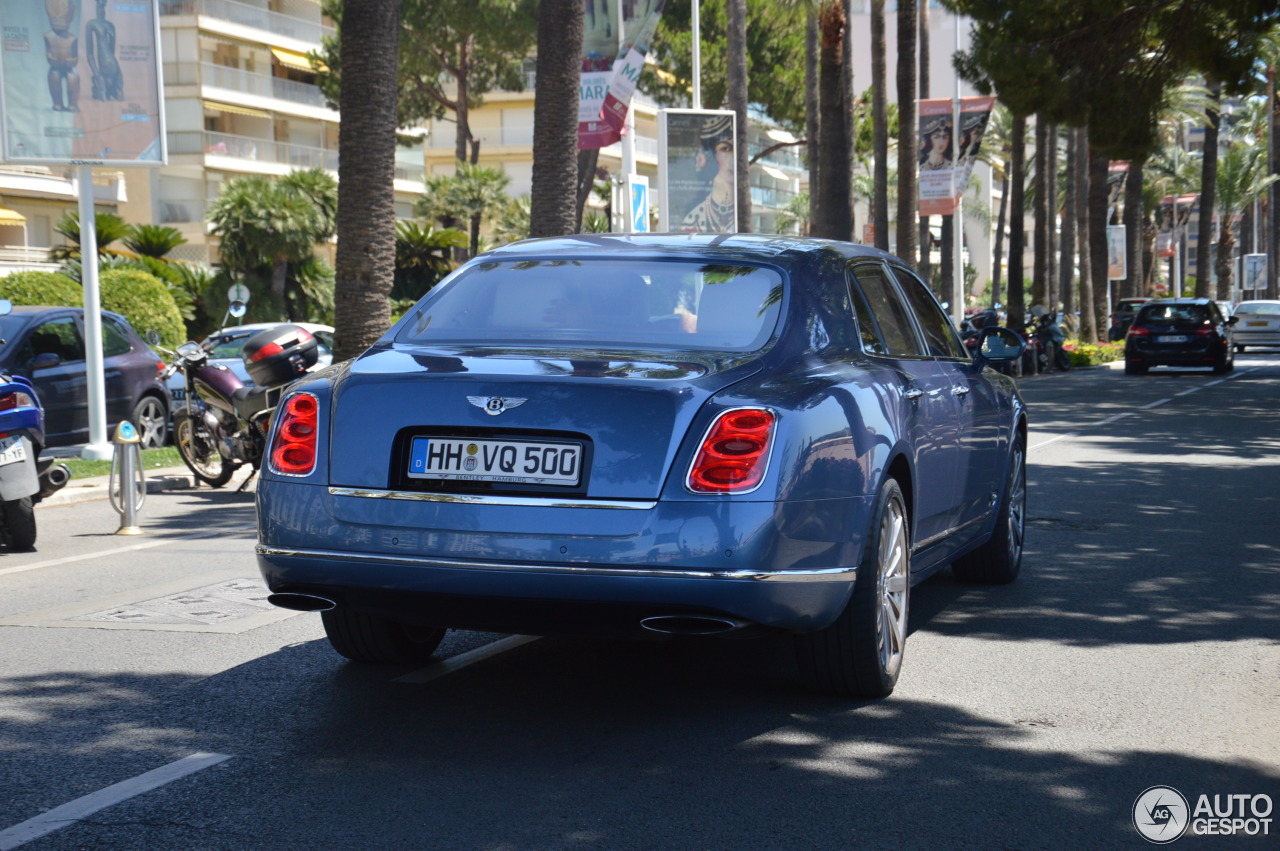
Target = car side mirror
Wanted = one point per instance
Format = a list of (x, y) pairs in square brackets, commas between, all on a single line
[(45, 360), (1000, 345), (1233, 320)]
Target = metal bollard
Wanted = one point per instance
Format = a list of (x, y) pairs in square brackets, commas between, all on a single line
[(128, 487)]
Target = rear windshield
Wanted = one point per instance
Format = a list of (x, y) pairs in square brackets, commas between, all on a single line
[(1129, 306), (1259, 308), (1172, 313), (606, 303)]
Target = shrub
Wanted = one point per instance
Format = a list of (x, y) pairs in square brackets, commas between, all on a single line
[(1093, 354), (43, 288), (145, 301)]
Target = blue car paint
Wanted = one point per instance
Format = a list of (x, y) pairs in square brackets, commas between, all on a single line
[(842, 426)]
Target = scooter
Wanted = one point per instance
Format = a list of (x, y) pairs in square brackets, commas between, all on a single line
[(222, 425), (25, 478)]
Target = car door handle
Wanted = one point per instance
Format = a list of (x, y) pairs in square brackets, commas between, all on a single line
[(914, 393), (960, 390)]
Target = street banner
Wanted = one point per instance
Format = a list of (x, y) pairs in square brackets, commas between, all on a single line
[(1117, 257), (626, 72), (1255, 272), (944, 176), (697, 171), (81, 86), (600, 54)]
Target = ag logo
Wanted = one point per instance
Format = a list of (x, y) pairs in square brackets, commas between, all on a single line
[(1160, 814)]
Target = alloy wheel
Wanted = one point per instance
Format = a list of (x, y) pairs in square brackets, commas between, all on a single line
[(891, 626)]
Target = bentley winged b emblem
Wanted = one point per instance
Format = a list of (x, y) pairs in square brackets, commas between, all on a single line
[(494, 405)]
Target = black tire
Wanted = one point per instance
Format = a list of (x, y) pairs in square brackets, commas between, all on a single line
[(861, 653), (20, 524), (199, 451), (372, 639), (151, 418), (1225, 363), (998, 561), (1131, 368)]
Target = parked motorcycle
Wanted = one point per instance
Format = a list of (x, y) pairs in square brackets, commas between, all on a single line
[(222, 425), (1051, 337), (25, 478)]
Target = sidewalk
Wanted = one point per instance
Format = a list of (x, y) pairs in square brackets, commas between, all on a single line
[(158, 480)]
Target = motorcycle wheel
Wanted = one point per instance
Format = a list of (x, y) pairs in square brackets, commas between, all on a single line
[(200, 453), (20, 524)]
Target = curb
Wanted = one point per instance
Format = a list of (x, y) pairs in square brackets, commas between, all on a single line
[(158, 481)]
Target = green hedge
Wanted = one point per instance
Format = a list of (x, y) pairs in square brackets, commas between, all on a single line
[(1093, 354), (138, 296)]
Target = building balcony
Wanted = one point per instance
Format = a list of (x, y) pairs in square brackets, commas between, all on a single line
[(252, 150), (207, 74), (246, 15)]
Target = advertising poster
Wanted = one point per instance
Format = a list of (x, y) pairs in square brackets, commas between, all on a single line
[(626, 72), (1117, 259), (80, 82), (1255, 272), (600, 52), (945, 166), (698, 171)]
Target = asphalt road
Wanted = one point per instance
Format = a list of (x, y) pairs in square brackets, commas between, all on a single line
[(1140, 648)]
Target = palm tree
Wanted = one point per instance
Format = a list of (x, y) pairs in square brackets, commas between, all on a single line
[(795, 216), (108, 227), (1208, 185), (834, 215), (472, 194), (422, 257), (366, 257), (1242, 178), (736, 79), (153, 240), (553, 196), (880, 126), (908, 177)]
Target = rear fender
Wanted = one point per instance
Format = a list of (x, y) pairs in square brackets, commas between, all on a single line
[(19, 479)]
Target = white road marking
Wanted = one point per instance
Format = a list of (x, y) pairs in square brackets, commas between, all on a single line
[(1155, 404), (438, 669), (146, 546), (74, 811)]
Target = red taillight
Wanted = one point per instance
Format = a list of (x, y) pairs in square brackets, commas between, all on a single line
[(1138, 331), (266, 351), (16, 399), (734, 452), (294, 449), (1207, 331)]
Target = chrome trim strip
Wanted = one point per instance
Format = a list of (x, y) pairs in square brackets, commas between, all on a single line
[(920, 545), (477, 499), (834, 574)]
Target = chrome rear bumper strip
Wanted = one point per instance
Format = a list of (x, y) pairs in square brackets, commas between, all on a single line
[(835, 574), (476, 499)]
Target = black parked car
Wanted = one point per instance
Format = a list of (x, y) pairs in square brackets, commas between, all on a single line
[(1179, 332), (46, 345)]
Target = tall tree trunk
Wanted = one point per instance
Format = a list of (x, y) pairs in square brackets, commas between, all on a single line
[(1066, 265), (1098, 201), (1133, 215), (1208, 185), (848, 98), (1273, 193), (908, 178), (1222, 262), (812, 113), (833, 206), (880, 125), (1016, 302), (997, 261), (1040, 257), (462, 130), (947, 261), (1088, 316), (926, 241), (736, 74), (1052, 296), (553, 189), (364, 267), (587, 161)]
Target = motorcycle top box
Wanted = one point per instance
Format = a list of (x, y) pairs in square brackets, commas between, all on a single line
[(279, 355)]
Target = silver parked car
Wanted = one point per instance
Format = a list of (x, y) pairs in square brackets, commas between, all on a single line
[(224, 348), (1258, 323)]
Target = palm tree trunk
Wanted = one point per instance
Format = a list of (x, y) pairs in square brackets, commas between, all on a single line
[(1208, 184), (552, 201), (1133, 215), (908, 178), (1222, 262), (812, 118), (925, 239), (998, 260), (1273, 194), (834, 218), (736, 73), (366, 256), (1088, 318), (1066, 267), (1052, 295), (1098, 198), (1016, 302), (462, 134), (1040, 257), (880, 126)]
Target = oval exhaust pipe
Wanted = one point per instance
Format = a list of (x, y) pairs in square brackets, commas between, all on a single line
[(301, 602), (691, 624), (54, 479)]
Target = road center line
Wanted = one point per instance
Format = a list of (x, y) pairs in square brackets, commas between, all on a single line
[(1155, 404), (438, 669), (74, 811), (146, 546)]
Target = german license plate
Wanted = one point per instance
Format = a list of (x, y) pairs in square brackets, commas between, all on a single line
[(1172, 338), (12, 450), (525, 462)]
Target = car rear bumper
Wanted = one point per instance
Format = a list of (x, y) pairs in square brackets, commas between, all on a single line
[(1257, 338), (542, 569)]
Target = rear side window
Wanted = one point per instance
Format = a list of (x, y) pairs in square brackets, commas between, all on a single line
[(889, 314), (60, 337), (114, 340), (939, 333), (602, 303)]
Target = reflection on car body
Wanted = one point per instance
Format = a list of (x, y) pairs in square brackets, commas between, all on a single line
[(713, 435)]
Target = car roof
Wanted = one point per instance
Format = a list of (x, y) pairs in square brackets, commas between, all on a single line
[(35, 310), (749, 247)]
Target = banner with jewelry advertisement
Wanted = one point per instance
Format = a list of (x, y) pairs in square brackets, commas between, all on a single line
[(80, 82), (946, 158), (697, 171)]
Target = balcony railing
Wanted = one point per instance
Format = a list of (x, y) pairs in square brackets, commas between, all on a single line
[(248, 82), (24, 255), (288, 26), (251, 148), (179, 211)]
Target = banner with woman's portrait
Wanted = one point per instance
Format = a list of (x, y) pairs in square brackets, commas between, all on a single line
[(697, 171), (946, 158)]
